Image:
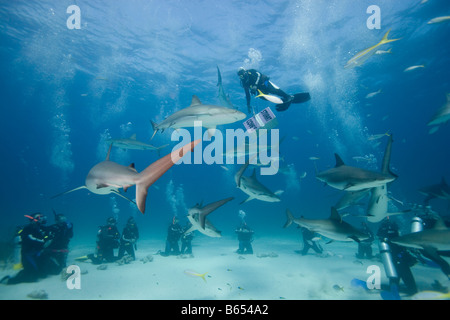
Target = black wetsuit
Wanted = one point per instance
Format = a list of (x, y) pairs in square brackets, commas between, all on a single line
[(173, 236), (253, 81), (403, 260), (55, 254), (365, 246), (309, 243), (33, 237), (245, 237), (107, 240), (128, 240)]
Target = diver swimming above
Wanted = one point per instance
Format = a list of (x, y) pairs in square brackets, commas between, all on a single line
[(254, 82)]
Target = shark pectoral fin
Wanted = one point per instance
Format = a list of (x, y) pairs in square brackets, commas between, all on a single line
[(355, 238), (121, 195), (191, 229), (349, 185), (154, 171), (279, 192), (247, 200), (238, 175), (66, 192)]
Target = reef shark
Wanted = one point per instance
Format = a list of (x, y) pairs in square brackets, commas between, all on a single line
[(197, 217), (377, 209), (442, 115), (252, 187), (441, 191), (133, 143), (223, 97), (333, 228), (435, 239), (362, 56), (349, 178), (108, 177), (209, 115)]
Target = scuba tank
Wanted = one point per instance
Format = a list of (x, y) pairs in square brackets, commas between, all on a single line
[(416, 224), (386, 258)]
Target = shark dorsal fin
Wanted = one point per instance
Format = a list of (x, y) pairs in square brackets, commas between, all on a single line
[(254, 174), (133, 137), (109, 152), (335, 215), (339, 161), (195, 101)]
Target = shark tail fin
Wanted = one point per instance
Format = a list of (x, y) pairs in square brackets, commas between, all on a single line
[(290, 218), (210, 208), (386, 40), (154, 127), (154, 171)]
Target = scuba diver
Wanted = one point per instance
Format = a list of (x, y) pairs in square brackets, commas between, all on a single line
[(128, 240), (107, 240), (245, 237), (309, 242), (396, 259), (252, 81), (59, 235), (365, 246), (186, 239), (173, 235), (33, 241)]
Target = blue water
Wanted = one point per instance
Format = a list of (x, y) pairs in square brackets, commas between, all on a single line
[(64, 92)]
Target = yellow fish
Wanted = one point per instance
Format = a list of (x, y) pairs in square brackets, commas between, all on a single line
[(195, 274), (362, 56), (270, 98)]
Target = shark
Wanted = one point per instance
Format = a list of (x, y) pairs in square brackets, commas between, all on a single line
[(432, 240), (350, 178), (197, 217), (442, 115), (440, 191), (362, 56), (377, 209), (351, 198), (210, 116), (133, 143), (108, 177), (223, 97), (252, 187), (333, 228)]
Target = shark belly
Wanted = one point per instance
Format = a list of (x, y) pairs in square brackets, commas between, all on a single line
[(108, 176)]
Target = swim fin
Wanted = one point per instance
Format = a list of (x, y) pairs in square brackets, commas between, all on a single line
[(301, 97), (297, 98)]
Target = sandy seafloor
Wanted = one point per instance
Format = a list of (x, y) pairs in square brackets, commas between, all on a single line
[(283, 275)]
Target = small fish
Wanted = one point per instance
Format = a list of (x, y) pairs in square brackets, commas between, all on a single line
[(295, 138), (84, 94), (192, 273), (270, 98), (378, 136), (101, 78), (414, 68), (338, 288), (224, 168), (373, 94), (303, 175), (229, 270), (439, 19), (313, 158), (383, 51), (282, 298), (240, 288)]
